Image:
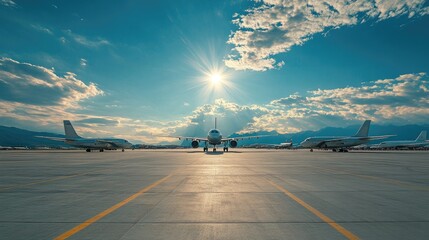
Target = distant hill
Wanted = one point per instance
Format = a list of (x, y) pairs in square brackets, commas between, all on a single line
[(16, 137)]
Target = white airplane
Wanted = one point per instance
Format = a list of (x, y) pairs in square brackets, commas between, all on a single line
[(284, 145), (342, 143), (75, 140), (214, 137), (419, 142)]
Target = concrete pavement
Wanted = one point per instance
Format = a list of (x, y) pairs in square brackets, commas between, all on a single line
[(186, 194)]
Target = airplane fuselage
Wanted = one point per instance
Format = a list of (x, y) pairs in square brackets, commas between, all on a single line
[(323, 142), (99, 143), (214, 137), (404, 144)]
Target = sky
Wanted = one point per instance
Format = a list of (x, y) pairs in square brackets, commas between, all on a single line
[(141, 70)]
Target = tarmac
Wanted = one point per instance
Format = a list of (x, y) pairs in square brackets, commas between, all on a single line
[(188, 194)]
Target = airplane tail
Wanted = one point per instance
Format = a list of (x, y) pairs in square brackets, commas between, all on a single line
[(69, 130), (364, 129), (215, 123), (422, 137)]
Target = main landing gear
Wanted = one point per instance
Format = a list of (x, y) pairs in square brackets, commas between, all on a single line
[(340, 150), (225, 147)]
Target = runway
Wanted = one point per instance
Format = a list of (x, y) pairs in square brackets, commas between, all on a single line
[(187, 194)]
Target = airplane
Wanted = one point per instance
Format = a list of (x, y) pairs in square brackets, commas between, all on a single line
[(284, 145), (75, 140), (419, 142), (342, 143), (214, 137), (13, 148)]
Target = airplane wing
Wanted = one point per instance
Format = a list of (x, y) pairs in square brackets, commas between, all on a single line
[(369, 138), (330, 141), (113, 144), (53, 138), (199, 139), (246, 137)]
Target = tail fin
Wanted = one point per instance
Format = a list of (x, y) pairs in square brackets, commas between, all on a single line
[(364, 129), (69, 130), (215, 123), (422, 137)]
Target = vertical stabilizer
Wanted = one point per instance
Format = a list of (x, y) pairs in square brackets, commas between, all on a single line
[(364, 129), (422, 137), (215, 123), (69, 130)]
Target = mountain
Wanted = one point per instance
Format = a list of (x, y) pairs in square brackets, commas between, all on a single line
[(16, 137)]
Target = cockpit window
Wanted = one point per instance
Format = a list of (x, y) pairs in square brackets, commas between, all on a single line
[(214, 131)]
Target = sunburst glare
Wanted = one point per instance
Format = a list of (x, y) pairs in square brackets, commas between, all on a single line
[(216, 78), (212, 80)]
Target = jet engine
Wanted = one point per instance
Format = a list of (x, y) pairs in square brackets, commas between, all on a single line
[(233, 143), (195, 144)]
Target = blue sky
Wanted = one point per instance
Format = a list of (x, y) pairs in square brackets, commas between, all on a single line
[(136, 69)]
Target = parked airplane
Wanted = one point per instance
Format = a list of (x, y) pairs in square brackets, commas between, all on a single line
[(342, 143), (13, 148), (214, 137), (419, 142), (75, 140), (284, 145)]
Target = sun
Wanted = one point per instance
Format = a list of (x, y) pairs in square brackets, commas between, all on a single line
[(216, 78)]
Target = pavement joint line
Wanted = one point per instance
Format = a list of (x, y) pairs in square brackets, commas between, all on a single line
[(386, 180), (346, 233), (50, 180), (217, 222), (106, 212)]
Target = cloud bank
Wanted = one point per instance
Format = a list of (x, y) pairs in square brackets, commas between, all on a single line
[(275, 26), (30, 84), (37, 98)]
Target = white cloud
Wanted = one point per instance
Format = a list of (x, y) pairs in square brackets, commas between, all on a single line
[(275, 26), (8, 3), (42, 29), (90, 43), (31, 84), (401, 100), (83, 62)]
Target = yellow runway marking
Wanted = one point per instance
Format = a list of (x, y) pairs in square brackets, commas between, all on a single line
[(316, 212), (386, 180), (50, 180), (106, 212)]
